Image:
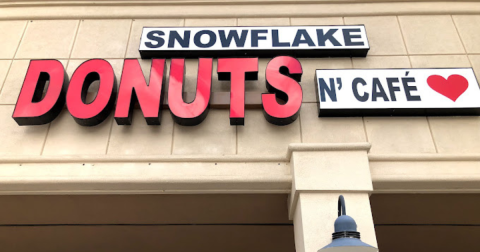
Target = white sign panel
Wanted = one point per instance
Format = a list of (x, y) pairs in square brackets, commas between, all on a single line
[(304, 41), (402, 92)]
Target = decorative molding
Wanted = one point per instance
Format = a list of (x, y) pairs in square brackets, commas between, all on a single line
[(240, 158), (327, 147), (399, 173), (219, 9), (138, 159), (422, 157), (141, 178), (426, 175), (10, 3)]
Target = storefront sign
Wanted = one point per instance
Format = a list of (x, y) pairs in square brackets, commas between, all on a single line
[(398, 92), (38, 104), (298, 41)]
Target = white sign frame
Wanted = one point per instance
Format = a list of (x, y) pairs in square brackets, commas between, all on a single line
[(445, 101)]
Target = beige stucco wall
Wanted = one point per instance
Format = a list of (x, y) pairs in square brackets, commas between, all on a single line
[(253, 156)]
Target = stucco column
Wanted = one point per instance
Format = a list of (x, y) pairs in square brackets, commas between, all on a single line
[(321, 172)]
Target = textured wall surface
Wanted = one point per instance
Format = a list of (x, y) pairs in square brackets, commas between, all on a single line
[(396, 42), (407, 154)]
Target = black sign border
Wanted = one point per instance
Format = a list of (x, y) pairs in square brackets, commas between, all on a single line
[(261, 53)]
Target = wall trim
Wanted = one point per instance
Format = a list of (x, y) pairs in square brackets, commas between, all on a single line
[(41, 159), (239, 158), (301, 147), (138, 159), (193, 9), (430, 175), (423, 157), (25, 3), (399, 173)]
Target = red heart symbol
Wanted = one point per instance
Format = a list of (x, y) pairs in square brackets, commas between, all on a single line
[(451, 88)]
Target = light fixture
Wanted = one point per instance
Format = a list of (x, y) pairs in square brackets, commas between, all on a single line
[(346, 238)]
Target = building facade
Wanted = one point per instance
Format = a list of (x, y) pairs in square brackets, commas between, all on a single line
[(411, 183)]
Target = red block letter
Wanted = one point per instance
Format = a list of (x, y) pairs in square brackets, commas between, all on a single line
[(97, 111), (189, 114), (282, 76), (237, 70), (133, 88), (31, 108)]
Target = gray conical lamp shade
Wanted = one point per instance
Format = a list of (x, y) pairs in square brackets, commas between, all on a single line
[(346, 238), (348, 245)]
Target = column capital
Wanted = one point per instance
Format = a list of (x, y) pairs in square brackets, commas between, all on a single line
[(303, 147), (324, 168), (320, 173)]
